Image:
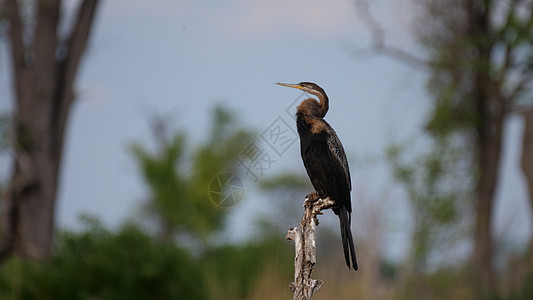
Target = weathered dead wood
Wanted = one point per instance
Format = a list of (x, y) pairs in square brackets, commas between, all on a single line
[(304, 239)]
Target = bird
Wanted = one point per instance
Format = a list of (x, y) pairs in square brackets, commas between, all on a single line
[(325, 160)]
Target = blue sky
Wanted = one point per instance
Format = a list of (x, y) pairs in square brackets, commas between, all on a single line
[(182, 57)]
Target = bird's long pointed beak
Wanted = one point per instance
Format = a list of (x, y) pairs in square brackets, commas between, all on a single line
[(296, 86)]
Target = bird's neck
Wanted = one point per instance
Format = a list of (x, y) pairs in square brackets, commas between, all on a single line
[(310, 109), (324, 104)]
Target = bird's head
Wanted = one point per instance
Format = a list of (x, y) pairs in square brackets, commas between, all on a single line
[(310, 105), (308, 87)]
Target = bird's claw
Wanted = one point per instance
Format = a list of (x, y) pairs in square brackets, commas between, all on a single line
[(313, 197)]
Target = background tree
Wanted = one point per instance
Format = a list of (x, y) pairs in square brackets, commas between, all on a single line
[(179, 177), (100, 263), (437, 211), (285, 193), (479, 59), (480, 66), (136, 261), (44, 68)]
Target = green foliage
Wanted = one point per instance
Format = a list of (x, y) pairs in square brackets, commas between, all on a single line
[(285, 181), (475, 59), (434, 198), (178, 176), (99, 264), (443, 283), (215, 156), (167, 185), (479, 61), (234, 270), (451, 115), (525, 291), (285, 193)]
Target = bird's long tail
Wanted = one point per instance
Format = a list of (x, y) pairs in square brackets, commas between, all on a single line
[(347, 239)]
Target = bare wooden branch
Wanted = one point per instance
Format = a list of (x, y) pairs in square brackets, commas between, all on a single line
[(530, 14), (69, 65), (45, 42), (519, 87), (304, 239), (378, 44), (11, 11), (510, 50)]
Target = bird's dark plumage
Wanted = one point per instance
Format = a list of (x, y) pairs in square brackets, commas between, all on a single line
[(325, 160)]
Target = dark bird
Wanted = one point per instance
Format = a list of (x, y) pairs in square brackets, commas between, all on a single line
[(325, 160)]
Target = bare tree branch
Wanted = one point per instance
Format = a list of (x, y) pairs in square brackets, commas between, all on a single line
[(508, 51), (16, 41), (68, 66), (15, 31), (507, 61), (378, 40), (519, 87), (78, 38), (378, 33), (530, 15), (304, 239), (510, 13), (46, 40), (10, 214)]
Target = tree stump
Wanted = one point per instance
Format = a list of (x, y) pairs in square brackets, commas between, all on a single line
[(304, 239)]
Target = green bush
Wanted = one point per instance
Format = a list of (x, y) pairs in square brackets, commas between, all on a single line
[(99, 264)]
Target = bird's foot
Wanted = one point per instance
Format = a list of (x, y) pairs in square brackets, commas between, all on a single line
[(314, 200), (311, 198)]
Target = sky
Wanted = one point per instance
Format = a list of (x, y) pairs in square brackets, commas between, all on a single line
[(180, 58)]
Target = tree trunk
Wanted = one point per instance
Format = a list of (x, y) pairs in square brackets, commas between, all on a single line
[(44, 71), (491, 111), (489, 150), (527, 166)]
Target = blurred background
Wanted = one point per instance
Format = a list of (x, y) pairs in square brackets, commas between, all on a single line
[(147, 154)]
